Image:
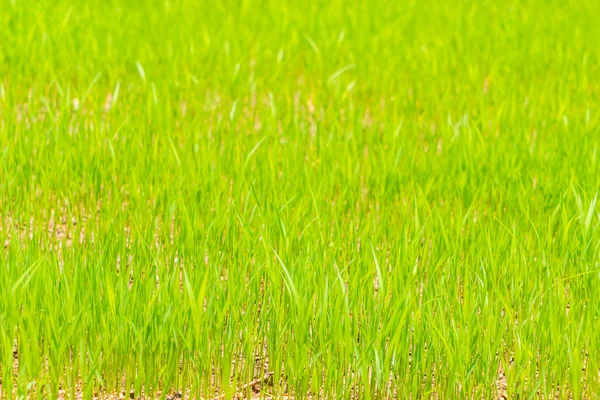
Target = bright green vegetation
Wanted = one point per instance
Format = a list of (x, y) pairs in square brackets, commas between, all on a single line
[(371, 197)]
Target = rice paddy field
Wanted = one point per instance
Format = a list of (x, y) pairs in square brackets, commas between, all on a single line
[(299, 199)]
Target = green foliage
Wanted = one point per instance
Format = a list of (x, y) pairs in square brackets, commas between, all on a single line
[(373, 197)]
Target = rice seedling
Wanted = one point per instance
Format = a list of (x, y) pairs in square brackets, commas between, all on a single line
[(246, 199)]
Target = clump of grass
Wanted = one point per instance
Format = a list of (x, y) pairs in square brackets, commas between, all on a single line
[(356, 200)]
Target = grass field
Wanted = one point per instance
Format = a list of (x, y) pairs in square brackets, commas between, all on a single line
[(322, 199)]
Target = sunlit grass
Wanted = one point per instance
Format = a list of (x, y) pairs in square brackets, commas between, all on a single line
[(365, 199)]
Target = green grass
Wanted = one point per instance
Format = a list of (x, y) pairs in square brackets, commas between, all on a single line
[(375, 197)]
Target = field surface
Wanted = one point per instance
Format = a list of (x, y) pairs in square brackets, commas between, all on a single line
[(299, 199)]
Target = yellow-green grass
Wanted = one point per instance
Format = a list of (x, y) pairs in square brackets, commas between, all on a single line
[(367, 198)]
